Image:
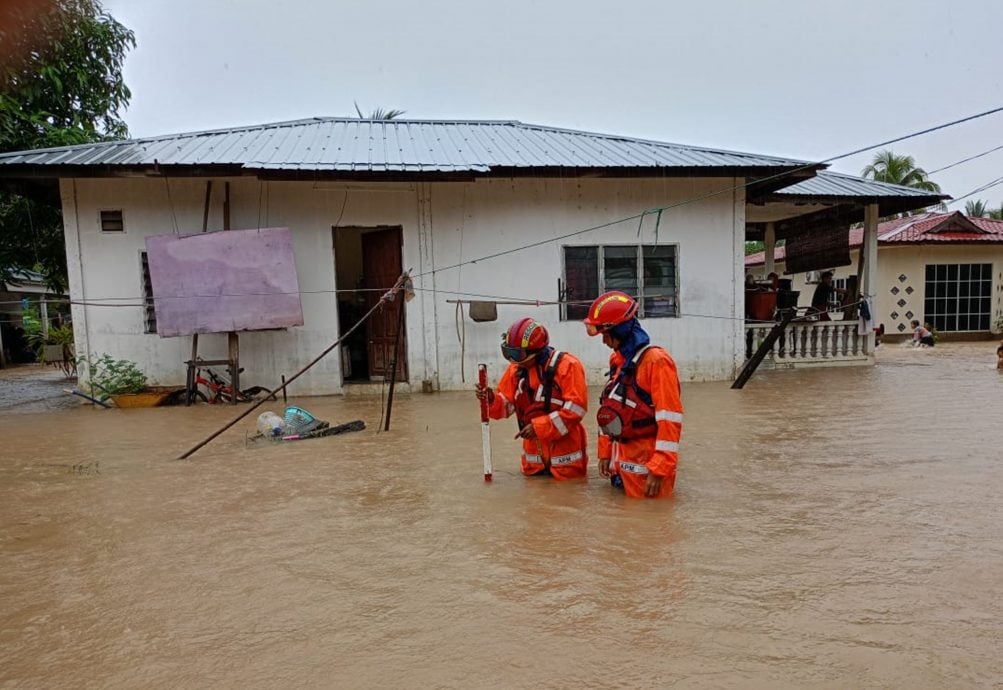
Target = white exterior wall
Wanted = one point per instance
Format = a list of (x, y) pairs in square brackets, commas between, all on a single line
[(910, 261), (443, 224)]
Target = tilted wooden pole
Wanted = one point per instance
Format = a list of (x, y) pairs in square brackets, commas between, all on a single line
[(393, 360)]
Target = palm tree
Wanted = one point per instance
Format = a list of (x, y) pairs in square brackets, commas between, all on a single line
[(997, 214), (379, 113), (976, 208), (902, 170)]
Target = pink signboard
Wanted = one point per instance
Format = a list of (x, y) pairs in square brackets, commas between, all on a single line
[(215, 282)]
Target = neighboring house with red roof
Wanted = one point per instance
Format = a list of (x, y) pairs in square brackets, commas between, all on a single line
[(945, 269)]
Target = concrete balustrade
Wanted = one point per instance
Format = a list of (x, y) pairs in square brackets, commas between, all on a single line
[(816, 343)]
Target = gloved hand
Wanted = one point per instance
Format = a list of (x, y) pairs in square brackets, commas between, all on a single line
[(484, 392)]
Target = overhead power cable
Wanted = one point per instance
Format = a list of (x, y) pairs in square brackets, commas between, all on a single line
[(725, 190), (977, 190), (965, 160), (103, 301), (916, 134)]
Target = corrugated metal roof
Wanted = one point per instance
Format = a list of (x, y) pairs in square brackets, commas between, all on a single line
[(954, 228), (948, 228), (411, 146), (25, 276), (833, 184)]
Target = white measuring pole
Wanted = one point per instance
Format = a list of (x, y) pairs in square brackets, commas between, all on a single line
[(482, 378)]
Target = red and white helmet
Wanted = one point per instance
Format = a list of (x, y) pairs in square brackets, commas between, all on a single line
[(523, 338), (610, 309)]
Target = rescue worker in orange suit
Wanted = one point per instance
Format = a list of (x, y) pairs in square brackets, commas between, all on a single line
[(640, 410), (545, 389)]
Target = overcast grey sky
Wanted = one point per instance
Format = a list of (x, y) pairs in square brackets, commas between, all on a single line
[(799, 78)]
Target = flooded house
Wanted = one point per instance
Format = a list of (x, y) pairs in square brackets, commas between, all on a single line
[(518, 218), (945, 269)]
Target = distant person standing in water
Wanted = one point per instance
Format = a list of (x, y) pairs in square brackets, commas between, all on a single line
[(921, 335), (999, 356)]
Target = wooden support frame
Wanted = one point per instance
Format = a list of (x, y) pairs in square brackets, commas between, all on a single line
[(232, 338)]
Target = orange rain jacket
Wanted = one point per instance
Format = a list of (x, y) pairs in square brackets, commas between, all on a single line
[(633, 459), (560, 444)]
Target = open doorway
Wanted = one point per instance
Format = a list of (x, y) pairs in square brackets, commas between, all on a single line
[(367, 264)]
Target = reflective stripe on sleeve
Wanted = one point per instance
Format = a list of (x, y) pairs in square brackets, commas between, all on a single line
[(668, 416), (572, 407), (555, 417), (667, 446)]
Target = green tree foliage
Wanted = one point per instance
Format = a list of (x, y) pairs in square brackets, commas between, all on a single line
[(60, 84), (976, 208), (31, 235), (61, 76), (902, 170), (380, 113)]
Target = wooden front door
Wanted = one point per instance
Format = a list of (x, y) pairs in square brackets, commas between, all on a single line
[(381, 267)]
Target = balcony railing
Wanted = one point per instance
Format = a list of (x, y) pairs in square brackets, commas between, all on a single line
[(810, 342)]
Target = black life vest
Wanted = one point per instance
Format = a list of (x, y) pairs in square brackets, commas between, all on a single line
[(625, 409), (530, 404)]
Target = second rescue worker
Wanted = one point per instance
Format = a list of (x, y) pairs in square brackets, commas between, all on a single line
[(640, 411), (546, 390)]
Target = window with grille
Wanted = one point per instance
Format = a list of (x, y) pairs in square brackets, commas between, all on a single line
[(112, 221), (149, 313), (647, 272), (959, 296)]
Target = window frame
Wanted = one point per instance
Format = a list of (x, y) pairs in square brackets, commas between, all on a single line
[(938, 318), (836, 299), (101, 221), (601, 270)]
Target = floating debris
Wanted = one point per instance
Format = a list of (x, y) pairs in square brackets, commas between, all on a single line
[(298, 425)]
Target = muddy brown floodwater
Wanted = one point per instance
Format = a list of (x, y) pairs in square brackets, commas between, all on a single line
[(839, 528)]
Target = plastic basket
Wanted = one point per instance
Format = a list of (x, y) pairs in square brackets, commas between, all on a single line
[(299, 421)]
